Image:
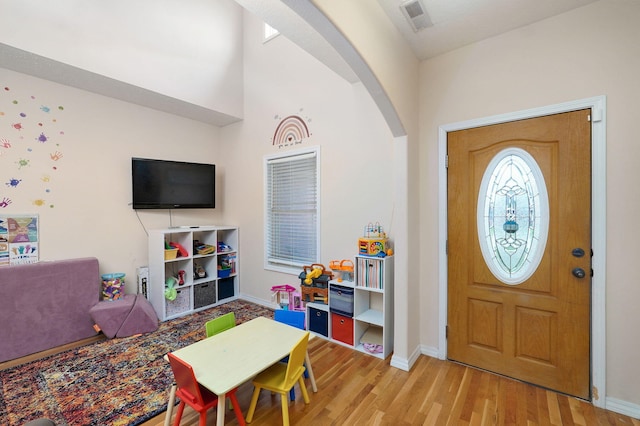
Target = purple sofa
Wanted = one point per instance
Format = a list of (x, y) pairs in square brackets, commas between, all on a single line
[(46, 304)]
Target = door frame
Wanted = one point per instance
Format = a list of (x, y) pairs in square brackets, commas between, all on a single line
[(598, 225)]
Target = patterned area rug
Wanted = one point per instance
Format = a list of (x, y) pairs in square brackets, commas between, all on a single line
[(123, 381)]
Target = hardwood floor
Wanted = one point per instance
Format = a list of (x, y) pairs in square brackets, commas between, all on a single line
[(357, 389)]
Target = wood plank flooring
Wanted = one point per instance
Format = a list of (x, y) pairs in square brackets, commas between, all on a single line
[(357, 389)]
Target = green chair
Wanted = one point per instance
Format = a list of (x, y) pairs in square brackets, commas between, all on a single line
[(220, 324)]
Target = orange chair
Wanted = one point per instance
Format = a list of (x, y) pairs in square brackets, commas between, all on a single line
[(281, 378), (198, 397)]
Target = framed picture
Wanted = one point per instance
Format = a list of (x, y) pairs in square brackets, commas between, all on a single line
[(19, 239)]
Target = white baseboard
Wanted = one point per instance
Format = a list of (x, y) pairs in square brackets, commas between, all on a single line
[(261, 302), (622, 407), (400, 363), (429, 351), (405, 364)]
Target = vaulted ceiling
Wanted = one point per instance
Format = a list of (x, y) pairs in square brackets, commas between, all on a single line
[(456, 23), (452, 24)]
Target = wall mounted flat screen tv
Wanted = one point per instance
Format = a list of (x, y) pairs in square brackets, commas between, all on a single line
[(162, 184)]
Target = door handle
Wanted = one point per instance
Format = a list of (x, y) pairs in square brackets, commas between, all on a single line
[(579, 273)]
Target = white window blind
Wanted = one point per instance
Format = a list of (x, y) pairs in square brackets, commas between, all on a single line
[(291, 209)]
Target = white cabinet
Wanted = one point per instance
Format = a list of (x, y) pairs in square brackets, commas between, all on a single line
[(202, 278), (373, 304), (368, 322)]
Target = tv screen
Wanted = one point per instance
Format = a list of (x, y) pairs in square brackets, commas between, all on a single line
[(161, 184)]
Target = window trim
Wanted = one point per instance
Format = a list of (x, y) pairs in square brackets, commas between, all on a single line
[(292, 267)]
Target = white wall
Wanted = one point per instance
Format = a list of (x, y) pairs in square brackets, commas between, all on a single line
[(591, 51), (190, 51), (356, 153), (85, 207)]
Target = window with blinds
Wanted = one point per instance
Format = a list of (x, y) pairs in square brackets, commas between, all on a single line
[(291, 210)]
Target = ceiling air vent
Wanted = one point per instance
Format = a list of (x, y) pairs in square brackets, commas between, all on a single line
[(415, 14)]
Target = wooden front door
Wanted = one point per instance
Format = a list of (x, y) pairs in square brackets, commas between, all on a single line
[(511, 311)]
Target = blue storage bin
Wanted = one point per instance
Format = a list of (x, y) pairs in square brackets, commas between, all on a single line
[(318, 321), (226, 288), (341, 300)]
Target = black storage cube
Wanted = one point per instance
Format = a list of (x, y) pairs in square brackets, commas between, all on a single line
[(204, 295), (225, 288), (318, 321), (341, 300)]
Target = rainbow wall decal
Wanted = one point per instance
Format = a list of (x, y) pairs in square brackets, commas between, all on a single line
[(290, 130)]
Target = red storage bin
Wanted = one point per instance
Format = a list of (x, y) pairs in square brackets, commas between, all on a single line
[(342, 328)]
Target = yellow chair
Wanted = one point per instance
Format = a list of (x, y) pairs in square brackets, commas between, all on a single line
[(220, 324), (281, 378)]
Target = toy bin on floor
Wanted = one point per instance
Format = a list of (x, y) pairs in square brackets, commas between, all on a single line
[(112, 286)]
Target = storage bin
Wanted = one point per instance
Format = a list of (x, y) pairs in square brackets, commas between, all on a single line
[(318, 321), (112, 286), (341, 300), (342, 328), (170, 254), (181, 304), (225, 288), (204, 295)]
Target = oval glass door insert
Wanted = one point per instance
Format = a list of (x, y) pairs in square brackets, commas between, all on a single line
[(513, 216)]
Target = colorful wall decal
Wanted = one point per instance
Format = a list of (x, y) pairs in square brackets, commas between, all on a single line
[(290, 131), (30, 147)]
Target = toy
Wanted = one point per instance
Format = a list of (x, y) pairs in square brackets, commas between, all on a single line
[(181, 250), (202, 248), (112, 286), (170, 292), (198, 271), (222, 247), (314, 283), (374, 241), (315, 273), (343, 269), (287, 297)]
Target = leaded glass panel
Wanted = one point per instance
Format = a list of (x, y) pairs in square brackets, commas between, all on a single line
[(513, 216)]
